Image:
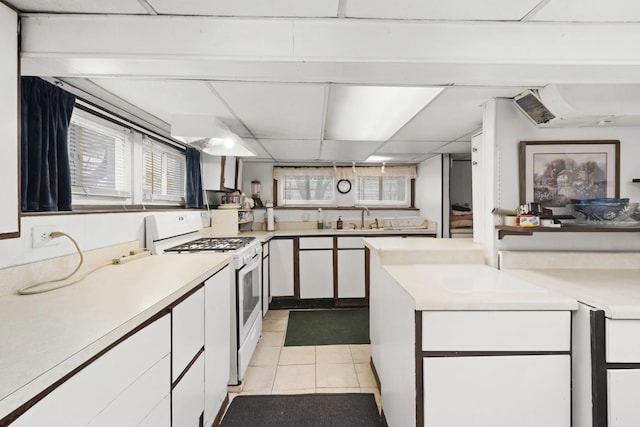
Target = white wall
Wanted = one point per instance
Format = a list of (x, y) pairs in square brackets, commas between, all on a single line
[(429, 190), (509, 128), (91, 231)]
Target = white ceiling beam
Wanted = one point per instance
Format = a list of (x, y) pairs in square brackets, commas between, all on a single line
[(383, 52)]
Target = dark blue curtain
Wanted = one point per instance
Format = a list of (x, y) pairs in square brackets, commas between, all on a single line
[(46, 179), (193, 197)]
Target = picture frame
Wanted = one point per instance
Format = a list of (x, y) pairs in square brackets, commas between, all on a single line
[(553, 173)]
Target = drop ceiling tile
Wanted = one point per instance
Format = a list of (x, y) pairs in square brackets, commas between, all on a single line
[(502, 10), (250, 8), (589, 11), (455, 147), (257, 148), (80, 6), (347, 151), (286, 150), (276, 110), (456, 112), (409, 147), (163, 98)]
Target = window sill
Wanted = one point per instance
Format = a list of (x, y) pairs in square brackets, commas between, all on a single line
[(82, 210)]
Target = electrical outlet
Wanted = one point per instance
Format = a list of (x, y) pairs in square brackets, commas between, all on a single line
[(40, 236)]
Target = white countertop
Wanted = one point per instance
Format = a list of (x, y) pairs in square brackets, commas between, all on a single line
[(474, 287), (616, 291), (398, 250), (45, 336)]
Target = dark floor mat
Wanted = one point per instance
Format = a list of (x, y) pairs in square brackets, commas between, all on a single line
[(326, 327), (303, 410)]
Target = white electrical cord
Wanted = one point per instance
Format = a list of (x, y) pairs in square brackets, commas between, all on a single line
[(29, 290)]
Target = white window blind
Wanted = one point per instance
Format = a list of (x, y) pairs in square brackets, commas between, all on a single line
[(99, 156), (163, 172), (304, 189), (383, 190)]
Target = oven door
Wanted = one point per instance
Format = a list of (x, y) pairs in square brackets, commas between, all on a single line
[(249, 297)]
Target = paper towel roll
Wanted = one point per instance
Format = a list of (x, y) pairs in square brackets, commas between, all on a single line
[(270, 225)]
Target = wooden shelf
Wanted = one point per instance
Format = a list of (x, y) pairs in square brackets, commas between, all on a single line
[(507, 230)]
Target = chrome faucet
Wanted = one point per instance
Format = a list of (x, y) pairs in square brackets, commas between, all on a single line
[(364, 208)]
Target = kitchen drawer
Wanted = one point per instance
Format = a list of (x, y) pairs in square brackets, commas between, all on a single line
[(81, 398), (138, 400), (316, 243), (623, 387), (496, 330), (187, 331), (187, 401), (160, 416), (622, 340), (350, 243)]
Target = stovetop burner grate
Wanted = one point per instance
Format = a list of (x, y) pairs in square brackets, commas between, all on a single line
[(213, 244)]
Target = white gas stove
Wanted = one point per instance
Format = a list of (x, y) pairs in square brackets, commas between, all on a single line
[(184, 233)]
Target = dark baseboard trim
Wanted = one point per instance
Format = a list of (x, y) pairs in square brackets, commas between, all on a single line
[(292, 303), (221, 411)]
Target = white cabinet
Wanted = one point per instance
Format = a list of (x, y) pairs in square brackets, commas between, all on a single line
[(623, 388), (160, 416), (316, 267), (187, 332), (187, 397), (217, 316), (281, 269), (229, 172), (498, 391), (211, 172), (351, 281), (266, 295), (99, 392), (9, 123)]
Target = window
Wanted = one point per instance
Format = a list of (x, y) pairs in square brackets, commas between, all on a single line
[(305, 186), (163, 172), (99, 157), (383, 190), (116, 162)]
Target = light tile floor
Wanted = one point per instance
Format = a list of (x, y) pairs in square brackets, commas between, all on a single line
[(275, 369)]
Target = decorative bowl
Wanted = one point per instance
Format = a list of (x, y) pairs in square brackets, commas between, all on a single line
[(604, 210)]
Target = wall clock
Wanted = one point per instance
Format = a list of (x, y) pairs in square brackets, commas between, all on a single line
[(344, 186)]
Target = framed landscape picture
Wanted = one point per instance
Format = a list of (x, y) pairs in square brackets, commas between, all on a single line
[(555, 172)]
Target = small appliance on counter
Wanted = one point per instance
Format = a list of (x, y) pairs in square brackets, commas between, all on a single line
[(245, 220), (256, 189)]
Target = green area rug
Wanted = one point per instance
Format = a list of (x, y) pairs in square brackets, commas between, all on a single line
[(326, 327)]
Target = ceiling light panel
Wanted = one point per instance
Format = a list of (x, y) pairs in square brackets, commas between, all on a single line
[(257, 8), (276, 110), (255, 146), (164, 98), (299, 150), (343, 151), (501, 10), (373, 113)]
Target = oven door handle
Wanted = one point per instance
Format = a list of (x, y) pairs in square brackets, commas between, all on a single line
[(254, 263)]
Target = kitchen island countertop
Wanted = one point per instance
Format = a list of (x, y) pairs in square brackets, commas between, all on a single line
[(47, 335)]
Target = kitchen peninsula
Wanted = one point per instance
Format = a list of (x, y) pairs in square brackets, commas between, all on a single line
[(464, 344)]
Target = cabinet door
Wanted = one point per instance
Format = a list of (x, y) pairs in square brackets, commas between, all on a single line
[(9, 122), (623, 386), (281, 267), (160, 416), (187, 333), (211, 172), (217, 341), (229, 172), (351, 273), (266, 297), (187, 397), (316, 274), (81, 398), (497, 391)]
